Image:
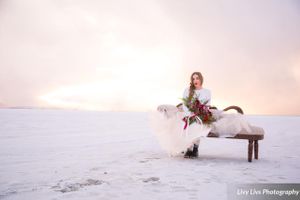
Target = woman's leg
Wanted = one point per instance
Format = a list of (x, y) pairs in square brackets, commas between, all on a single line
[(192, 151), (195, 152), (189, 152)]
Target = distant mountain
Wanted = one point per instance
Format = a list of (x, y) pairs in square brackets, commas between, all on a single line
[(2, 106), (24, 107), (30, 107)]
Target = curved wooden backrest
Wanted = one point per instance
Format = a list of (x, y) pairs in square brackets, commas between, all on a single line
[(238, 109)]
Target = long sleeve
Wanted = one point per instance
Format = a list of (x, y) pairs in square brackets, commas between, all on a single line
[(185, 109)]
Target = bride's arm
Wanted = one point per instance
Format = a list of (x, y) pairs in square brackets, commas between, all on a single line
[(185, 109)]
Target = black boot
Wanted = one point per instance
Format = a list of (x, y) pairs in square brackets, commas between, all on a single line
[(188, 153), (195, 151)]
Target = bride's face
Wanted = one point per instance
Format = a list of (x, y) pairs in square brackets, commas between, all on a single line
[(196, 81)]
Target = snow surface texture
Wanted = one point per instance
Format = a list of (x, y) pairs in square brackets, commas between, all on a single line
[(58, 154)]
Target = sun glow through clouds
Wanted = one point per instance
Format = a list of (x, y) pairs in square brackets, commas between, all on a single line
[(129, 86)]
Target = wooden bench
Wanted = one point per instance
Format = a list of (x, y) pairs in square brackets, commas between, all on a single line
[(253, 137)]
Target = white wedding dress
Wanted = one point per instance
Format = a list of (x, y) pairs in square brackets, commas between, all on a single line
[(168, 126)]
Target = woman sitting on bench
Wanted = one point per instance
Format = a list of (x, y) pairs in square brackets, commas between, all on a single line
[(179, 128)]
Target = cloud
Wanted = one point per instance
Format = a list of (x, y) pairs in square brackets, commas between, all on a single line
[(248, 52)]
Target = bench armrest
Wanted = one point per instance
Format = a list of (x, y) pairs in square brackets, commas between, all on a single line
[(238, 109)]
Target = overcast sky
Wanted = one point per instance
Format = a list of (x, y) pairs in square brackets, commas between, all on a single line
[(134, 55)]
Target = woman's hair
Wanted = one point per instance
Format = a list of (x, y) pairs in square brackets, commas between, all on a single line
[(192, 87)]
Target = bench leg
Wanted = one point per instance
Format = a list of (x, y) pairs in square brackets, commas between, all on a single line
[(256, 149), (250, 150)]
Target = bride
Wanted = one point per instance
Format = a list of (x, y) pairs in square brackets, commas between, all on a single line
[(174, 130)]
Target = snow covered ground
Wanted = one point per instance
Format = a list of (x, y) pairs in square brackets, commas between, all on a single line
[(60, 154)]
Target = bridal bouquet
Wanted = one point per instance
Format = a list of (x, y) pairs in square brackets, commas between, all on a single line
[(200, 112)]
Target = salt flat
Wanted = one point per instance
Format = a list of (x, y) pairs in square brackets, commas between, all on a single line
[(64, 154)]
